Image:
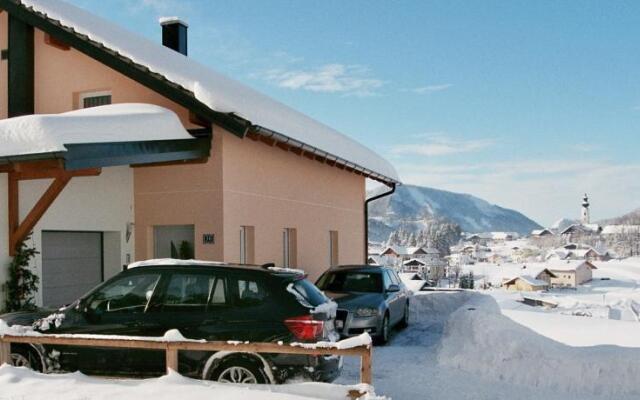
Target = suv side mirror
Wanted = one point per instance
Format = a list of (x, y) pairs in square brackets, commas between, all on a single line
[(393, 288)]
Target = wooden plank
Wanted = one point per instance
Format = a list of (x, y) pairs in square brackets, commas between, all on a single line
[(55, 173), (38, 210), (366, 375), (172, 359), (203, 346), (5, 352)]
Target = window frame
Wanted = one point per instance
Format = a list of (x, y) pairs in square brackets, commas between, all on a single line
[(97, 93)]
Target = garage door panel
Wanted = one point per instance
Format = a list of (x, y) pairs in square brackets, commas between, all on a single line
[(71, 265)]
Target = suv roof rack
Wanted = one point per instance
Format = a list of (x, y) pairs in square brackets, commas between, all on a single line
[(268, 265)]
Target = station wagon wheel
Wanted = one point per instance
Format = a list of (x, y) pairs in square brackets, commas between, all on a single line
[(405, 317), (383, 337), (25, 357)]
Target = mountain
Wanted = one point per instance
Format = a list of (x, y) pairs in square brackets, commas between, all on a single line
[(631, 218), (415, 207), (563, 223)]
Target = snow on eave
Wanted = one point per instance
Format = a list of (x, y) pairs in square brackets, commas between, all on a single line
[(217, 92), (125, 122)]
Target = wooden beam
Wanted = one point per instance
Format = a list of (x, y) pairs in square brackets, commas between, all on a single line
[(55, 173), (14, 210), (20, 233)]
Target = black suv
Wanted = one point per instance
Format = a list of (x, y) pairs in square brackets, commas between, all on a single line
[(203, 301)]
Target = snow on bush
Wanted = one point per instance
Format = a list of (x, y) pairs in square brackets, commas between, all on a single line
[(479, 339)]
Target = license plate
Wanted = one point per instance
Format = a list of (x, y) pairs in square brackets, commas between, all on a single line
[(339, 324)]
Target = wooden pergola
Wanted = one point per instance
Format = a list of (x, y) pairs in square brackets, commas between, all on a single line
[(29, 170)]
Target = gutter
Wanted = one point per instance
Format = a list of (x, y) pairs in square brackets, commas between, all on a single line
[(392, 186)]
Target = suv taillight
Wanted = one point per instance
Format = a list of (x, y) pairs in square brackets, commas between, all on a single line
[(305, 327)]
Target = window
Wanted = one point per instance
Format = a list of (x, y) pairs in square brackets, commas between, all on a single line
[(188, 292), (130, 294), (174, 241), (333, 248), (94, 99), (250, 292), (388, 281), (351, 281), (290, 253), (247, 246)]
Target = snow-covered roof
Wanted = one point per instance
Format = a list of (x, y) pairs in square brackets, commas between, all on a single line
[(620, 229), (49, 133), (217, 91), (529, 279), (414, 261), (582, 227), (172, 261), (540, 232), (569, 265)]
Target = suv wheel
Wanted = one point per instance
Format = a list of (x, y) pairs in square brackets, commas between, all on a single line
[(238, 370), (385, 330)]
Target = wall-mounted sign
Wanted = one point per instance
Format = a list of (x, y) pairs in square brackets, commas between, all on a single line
[(208, 238)]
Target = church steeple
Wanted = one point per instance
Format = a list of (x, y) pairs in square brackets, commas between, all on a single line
[(585, 210)]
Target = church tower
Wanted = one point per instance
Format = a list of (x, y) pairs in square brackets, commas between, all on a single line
[(585, 218)]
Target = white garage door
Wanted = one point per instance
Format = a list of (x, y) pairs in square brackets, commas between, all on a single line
[(71, 265)]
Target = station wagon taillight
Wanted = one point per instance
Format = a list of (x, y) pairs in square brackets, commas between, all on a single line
[(305, 327)]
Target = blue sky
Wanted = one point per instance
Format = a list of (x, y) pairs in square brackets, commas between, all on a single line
[(526, 104)]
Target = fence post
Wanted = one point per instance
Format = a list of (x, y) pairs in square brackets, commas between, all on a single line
[(172, 358), (5, 352), (365, 365)]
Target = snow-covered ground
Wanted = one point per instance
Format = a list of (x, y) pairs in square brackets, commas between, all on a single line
[(461, 346), (21, 383)]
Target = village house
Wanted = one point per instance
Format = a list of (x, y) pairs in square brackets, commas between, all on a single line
[(116, 148), (532, 279), (570, 274)]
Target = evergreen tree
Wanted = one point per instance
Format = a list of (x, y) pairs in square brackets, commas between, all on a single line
[(22, 284)]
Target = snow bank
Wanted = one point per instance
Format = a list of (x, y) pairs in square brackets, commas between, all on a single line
[(46, 133), (480, 340), (22, 383), (214, 89)]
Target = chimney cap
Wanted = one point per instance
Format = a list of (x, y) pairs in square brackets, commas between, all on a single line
[(172, 20)]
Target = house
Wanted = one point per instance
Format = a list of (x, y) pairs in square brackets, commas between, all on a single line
[(538, 233), (174, 160), (533, 277), (525, 283), (571, 273)]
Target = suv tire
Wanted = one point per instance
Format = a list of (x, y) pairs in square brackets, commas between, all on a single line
[(240, 369), (22, 356)]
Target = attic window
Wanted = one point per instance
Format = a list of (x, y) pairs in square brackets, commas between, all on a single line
[(94, 99)]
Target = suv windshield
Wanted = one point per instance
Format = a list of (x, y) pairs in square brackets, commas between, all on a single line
[(351, 281)]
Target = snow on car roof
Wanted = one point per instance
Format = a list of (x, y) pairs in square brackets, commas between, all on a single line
[(213, 89), (126, 122)]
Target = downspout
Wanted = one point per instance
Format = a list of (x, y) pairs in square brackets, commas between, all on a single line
[(392, 186)]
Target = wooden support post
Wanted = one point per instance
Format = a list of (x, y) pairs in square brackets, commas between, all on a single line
[(366, 375), (172, 358), (5, 352), (21, 232)]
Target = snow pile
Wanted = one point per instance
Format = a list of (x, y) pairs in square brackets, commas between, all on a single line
[(214, 89), (480, 340), (44, 324), (22, 383), (46, 133), (361, 340), (173, 261)]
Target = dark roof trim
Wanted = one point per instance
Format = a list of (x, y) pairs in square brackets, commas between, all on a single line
[(93, 155), (97, 155), (139, 73)]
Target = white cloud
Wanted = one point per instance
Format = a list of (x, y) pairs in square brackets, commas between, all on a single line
[(439, 145), (329, 78), (429, 88), (543, 189)]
